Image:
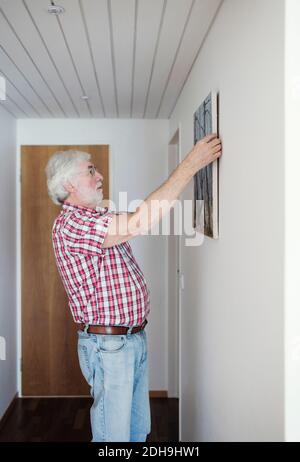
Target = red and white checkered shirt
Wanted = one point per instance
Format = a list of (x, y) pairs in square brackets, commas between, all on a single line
[(105, 285)]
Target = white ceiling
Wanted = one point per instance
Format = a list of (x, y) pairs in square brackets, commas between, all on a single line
[(131, 57)]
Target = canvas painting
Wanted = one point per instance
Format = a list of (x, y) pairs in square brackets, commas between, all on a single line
[(205, 217)]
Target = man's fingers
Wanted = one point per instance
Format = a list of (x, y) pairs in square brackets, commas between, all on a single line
[(209, 138), (215, 142), (217, 149)]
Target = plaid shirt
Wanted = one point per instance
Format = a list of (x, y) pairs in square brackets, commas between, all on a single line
[(104, 285)]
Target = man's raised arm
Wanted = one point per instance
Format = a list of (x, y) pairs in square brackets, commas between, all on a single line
[(126, 226)]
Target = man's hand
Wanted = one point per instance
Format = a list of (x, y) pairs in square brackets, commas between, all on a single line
[(204, 152), (128, 225)]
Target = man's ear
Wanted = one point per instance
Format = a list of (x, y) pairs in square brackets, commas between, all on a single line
[(69, 187)]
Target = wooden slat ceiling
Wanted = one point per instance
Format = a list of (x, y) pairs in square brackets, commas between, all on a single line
[(130, 57)]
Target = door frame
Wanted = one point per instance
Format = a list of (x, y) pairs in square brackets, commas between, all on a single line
[(175, 145)]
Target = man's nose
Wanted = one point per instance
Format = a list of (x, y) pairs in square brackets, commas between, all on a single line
[(99, 176)]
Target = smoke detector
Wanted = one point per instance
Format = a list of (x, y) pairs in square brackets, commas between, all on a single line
[(55, 10)]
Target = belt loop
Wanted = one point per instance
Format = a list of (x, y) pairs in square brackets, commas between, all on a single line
[(86, 328), (129, 331)]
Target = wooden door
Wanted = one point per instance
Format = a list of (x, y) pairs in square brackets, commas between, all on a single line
[(49, 335)]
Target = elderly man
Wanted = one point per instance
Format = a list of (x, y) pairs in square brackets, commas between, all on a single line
[(107, 291)]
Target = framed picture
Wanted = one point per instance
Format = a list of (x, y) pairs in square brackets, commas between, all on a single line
[(206, 203)]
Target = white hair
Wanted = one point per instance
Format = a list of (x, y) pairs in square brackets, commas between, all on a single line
[(61, 167)]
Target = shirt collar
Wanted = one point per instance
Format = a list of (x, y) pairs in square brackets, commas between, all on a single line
[(73, 207)]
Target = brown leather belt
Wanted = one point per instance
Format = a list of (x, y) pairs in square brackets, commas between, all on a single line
[(111, 330)]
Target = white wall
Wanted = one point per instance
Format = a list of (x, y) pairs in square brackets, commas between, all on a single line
[(8, 367), (138, 165), (292, 230), (232, 358)]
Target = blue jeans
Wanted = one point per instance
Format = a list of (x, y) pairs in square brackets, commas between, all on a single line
[(116, 368)]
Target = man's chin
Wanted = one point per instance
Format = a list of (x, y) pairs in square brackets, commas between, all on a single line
[(93, 201), (100, 198), (98, 201)]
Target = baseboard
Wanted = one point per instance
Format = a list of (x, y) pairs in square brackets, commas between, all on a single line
[(158, 394), (54, 396), (8, 411), (152, 393)]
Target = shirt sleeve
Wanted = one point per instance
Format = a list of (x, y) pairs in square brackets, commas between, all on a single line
[(85, 234)]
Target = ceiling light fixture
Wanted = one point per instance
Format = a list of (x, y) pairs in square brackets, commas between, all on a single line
[(84, 97), (55, 9)]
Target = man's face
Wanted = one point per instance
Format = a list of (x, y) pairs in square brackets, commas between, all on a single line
[(88, 184)]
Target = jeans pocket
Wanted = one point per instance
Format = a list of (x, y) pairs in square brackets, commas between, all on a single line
[(85, 362), (112, 343)]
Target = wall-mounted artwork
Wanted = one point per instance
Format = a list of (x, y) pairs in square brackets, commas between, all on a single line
[(206, 180)]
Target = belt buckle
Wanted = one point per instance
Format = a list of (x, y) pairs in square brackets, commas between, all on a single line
[(86, 328)]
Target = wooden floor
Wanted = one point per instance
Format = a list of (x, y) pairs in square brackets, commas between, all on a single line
[(67, 419)]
